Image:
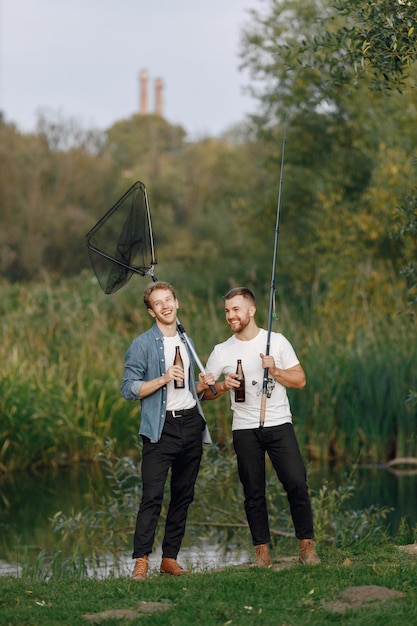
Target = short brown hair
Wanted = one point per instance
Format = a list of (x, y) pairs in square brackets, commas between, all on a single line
[(159, 284), (240, 291)]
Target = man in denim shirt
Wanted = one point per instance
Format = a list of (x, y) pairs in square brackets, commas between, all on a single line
[(172, 429)]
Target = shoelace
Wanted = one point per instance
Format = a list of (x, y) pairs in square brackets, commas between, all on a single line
[(141, 567)]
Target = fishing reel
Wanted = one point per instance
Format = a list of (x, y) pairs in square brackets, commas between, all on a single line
[(270, 387), (271, 382)]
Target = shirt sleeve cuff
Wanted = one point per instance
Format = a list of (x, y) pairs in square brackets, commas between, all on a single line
[(136, 387)]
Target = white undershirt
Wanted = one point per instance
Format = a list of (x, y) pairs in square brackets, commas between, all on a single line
[(178, 398)]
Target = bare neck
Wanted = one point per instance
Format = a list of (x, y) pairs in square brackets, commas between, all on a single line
[(248, 333), (168, 330)]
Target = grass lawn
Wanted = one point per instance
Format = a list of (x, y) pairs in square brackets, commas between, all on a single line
[(372, 586)]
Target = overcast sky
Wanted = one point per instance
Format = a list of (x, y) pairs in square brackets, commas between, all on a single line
[(82, 58)]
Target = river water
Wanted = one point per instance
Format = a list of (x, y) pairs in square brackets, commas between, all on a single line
[(29, 500)]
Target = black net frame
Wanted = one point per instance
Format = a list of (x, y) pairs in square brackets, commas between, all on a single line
[(134, 251), (131, 228)]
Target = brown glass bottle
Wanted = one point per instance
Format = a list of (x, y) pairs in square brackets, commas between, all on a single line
[(240, 391), (178, 384)]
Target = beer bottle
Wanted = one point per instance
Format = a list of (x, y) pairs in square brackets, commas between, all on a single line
[(178, 384), (240, 391)]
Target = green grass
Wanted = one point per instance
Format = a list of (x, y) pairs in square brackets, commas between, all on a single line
[(292, 597)]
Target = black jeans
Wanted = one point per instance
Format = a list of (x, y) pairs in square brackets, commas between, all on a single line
[(179, 449), (281, 445)]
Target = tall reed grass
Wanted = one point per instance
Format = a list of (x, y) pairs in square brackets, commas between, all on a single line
[(359, 403), (62, 348)]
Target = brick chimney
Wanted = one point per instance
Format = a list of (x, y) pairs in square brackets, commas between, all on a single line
[(143, 109), (159, 102)]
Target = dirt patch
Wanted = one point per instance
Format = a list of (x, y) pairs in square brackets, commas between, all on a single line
[(279, 564), (410, 549), (284, 562), (356, 597), (144, 607)]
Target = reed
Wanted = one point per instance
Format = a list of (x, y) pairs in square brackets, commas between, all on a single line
[(62, 348), (61, 362), (359, 401)]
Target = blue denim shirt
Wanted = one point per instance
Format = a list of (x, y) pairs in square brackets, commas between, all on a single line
[(145, 360)]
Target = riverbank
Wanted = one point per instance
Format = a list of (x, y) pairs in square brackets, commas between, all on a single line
[(369, 586), (83, 517)]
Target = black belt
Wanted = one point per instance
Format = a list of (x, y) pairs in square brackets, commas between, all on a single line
[(182, 412)]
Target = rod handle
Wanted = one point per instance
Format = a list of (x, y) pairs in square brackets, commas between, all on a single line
[(194, 353), (211, 387), (263, 411)]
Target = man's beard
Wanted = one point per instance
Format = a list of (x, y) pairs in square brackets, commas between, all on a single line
[(241, 325)]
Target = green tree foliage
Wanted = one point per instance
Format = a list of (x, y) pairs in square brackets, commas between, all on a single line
[(348, 156), (405, 228), (200, 193), (375, 37), (143, 140), (49, 181), (213, 201)]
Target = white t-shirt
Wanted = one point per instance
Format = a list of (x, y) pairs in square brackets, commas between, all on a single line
[(178, 398), (223, 360)]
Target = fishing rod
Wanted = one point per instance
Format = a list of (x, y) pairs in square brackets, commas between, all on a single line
[(266, 390)]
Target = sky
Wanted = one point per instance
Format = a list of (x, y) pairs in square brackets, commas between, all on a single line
[(81, 59)]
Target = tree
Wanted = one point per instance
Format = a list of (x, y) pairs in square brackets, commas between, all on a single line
[(348, 154), (372, 37), (142, 139), (51, 185), (405, 228), (378, 39)]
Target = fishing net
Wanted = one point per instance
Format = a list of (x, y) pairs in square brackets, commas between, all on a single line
[(121, 243)]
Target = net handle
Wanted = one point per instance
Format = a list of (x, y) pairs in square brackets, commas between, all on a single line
[(133, 268), (190, 346)]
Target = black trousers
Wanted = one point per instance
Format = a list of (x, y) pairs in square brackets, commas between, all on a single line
[(281, 445), (179, 450)]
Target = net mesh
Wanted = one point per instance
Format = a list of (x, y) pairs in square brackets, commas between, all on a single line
[(121, 243)]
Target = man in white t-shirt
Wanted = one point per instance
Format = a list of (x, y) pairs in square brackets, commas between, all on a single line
[(276, 436)]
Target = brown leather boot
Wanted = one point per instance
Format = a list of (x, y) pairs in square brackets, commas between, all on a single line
[(308, 555), (141, 568), (170, 566), (262, 556)]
